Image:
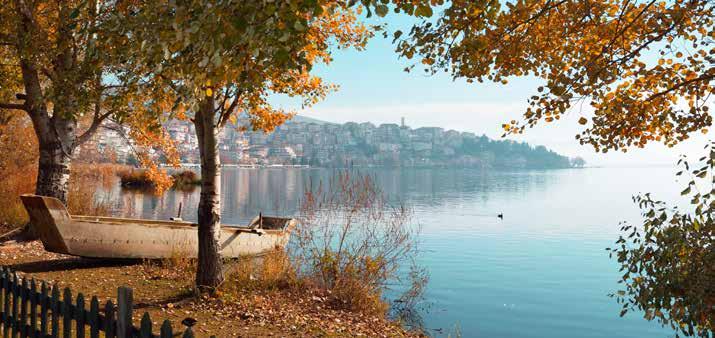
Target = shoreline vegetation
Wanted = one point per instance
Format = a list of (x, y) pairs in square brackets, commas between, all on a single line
[(134, 178), (256, 300), (270, 296)]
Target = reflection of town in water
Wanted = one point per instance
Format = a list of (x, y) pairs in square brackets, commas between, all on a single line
[(246, 192)]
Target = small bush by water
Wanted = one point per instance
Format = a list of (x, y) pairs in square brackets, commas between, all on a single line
[(139, 179), (185, 179), (353, 244)]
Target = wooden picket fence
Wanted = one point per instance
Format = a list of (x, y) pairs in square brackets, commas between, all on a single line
[(35, 309)]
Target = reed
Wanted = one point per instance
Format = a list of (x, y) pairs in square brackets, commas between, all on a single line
[(18, 168), (353, 244)]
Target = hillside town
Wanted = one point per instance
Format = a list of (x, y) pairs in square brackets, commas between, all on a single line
[(308, 142)]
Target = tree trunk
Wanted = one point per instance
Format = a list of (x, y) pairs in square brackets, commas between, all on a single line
[(53, 172), (209, 274), (56, 142)]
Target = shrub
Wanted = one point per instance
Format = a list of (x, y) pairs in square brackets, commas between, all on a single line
[(352, 243), (273, 270), (135, 178), (668, 263), (141, 179), (185, 179)]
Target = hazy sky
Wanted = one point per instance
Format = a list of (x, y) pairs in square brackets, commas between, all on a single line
[(375, 88)]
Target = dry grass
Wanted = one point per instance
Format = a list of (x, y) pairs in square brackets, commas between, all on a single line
[(179, 267), (18, 169), (163, 288), (85, 179), (12, 212), (271, 271), (352, 243)]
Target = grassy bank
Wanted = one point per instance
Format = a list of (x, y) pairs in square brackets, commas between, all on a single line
[(258, 299)]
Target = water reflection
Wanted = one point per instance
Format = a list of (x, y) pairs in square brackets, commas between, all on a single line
[(542, 271), (246, 192)]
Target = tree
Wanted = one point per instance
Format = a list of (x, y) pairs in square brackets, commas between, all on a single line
[(55, 66), (667, 263), (646, 67), (209, 60), (647, 70), (578, 162)]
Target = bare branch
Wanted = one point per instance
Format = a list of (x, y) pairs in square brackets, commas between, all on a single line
[(18, 106), (227, 113), (96, 123), (702, 78)]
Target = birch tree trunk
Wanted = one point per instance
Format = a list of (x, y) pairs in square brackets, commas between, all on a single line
[(53, 171), (57, 143), (209, 274)]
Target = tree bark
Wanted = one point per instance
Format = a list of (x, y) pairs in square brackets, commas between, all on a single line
[(53, 172), (209, 274), (56, 133)]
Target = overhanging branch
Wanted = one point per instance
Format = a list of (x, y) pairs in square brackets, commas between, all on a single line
[(18, 106)]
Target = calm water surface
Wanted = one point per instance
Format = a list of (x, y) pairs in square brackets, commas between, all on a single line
[(542, 271)]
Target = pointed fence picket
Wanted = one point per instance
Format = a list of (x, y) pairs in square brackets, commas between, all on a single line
[(61, 315)]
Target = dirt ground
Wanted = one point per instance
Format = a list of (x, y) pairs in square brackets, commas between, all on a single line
[(166, 293)]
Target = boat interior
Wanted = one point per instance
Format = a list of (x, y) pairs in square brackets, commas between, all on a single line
[(266, 223), (50, 208)]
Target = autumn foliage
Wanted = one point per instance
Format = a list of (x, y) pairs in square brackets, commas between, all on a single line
[(645, 67), (668, 261), (18, 167), (18, 170)]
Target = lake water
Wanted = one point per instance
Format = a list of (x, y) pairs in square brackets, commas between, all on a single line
[(542, 271)]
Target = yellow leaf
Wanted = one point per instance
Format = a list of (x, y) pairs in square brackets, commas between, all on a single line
[(209, 92)]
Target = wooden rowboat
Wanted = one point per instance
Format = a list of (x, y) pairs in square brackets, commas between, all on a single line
[(111, 237)]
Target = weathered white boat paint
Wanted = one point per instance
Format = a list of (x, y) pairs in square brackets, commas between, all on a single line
[(111, 237)]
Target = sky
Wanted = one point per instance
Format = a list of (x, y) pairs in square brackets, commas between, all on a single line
[(375, 88)]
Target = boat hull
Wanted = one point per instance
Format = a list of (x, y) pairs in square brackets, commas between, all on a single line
[(107, 237)]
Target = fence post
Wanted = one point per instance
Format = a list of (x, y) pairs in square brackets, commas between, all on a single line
[(124, 317), (33, 308), (15, 304), (66, 313), (94, 318), (24, 296), (44, 306), (166, 329), (145, 328), (80, 316), (109, 322), (6, 285)]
